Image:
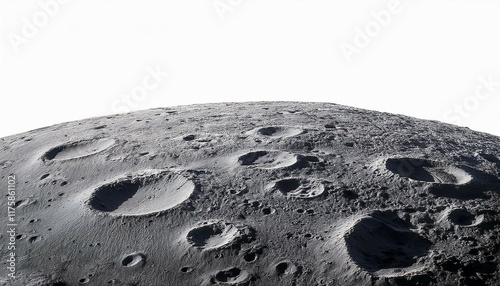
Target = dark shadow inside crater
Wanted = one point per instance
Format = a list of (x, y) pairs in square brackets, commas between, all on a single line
[(228, 275), (480, 182), (52, 153), (250, 158), (198, 237), (491, 158), (376, 244), (287, 185), (461, 217), (109, 197), (411, 168), (268, 131)]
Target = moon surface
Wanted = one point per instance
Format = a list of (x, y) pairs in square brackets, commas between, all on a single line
[(260, 193)]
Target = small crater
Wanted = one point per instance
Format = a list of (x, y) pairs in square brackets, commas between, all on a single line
[(277, 131), (190, 137), (267, 211), (285, 267), (299, 188), (427, 171), (462, 217), (133, 260), (281, 268), (232, 276), (20, 236), (267, 159), (215, 234), (83, 281), (250, 257), (44, 176), (147, 192), (34, 239), (255, 204), (186, 269), (239, 191), (78, 149)]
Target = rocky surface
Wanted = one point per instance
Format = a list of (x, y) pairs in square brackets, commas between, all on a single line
[(267, 193)]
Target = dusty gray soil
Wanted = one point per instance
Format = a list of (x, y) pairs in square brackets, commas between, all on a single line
[(253, 194)]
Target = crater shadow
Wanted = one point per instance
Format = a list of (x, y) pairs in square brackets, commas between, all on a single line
[(380, 241)]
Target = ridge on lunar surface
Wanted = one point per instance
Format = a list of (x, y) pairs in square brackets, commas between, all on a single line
[(259, 193)]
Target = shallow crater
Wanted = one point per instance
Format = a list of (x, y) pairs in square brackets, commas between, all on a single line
[(301, 188), (78, 149), (285, 267), (216, 234), (427, 171), (135, 259), (147, 192), (277, 131), (232, 276), (267, 159)]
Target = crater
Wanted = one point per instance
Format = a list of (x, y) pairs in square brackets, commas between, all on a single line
[(285, 267), (78, 149), (189, 137), (427, 171), (301, 188), (147, 192), (232, 276), (464, 218), (134, 259), (267, 159), (250, 257), (83, 281), (216, 234), (277, 131), (384, 241), (44, 176)]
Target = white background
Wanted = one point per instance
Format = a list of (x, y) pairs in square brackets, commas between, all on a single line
[(90, 58)]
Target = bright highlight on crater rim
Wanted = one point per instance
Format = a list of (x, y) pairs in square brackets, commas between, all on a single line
[(263, 193)]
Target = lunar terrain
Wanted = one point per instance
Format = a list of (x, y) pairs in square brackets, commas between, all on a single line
[(263, 193)]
